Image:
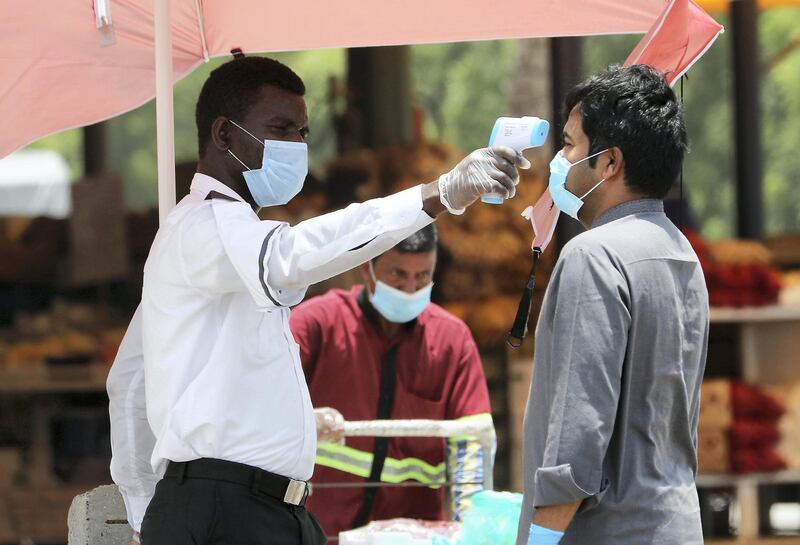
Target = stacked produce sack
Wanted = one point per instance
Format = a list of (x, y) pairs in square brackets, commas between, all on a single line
[(738, 431), (65, 331), (789, 424), (738, 272), (790, 294)]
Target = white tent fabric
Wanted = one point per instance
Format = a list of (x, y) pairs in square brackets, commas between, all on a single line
[(35, 183)]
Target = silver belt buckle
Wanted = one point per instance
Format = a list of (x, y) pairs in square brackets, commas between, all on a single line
[(295, 492)]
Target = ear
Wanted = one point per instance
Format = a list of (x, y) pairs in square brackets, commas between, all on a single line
[(221, 133), (615, 165), (366, 277)]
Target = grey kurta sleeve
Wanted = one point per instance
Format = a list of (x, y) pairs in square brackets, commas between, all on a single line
[(580, 369)]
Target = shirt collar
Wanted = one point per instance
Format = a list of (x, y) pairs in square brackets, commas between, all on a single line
[(202, 185), (639, 206)]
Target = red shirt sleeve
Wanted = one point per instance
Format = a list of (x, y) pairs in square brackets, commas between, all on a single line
[(470, 394), (307, 332)]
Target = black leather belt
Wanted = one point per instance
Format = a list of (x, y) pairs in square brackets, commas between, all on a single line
[(259, 480)]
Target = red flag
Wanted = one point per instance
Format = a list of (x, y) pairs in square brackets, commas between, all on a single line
[(679, 37)]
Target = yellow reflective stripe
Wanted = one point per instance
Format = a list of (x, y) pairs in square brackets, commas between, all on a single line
[(344, 458), (358, 456), (395, 471), (359, 462), (479, 416), (341, 466)]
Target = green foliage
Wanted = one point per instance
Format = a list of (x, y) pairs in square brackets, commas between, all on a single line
[(70, 145), (463, 88), (709, 172), (708, 181), (780, 101)]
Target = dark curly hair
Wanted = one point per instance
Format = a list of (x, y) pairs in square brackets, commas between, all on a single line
[(634, 109), (423, 241), (232, 89)]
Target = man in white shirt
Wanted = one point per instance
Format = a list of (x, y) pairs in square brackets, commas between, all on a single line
[(132, 440), (234, 433)]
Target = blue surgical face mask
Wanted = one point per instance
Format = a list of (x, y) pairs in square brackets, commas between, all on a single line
[(396, 305), (282, 173), (564, 200)]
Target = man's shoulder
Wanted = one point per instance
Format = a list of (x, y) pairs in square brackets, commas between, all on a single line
[(609, 241), (590, 244), (631, 239), (330, 304), (437, 319), (192, 215), (200, 221)]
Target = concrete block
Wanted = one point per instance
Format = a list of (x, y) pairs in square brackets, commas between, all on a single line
[(98, 517)]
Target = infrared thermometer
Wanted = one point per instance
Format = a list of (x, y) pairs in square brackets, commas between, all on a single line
[(518, 133)]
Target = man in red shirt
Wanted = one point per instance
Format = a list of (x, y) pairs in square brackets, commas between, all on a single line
[(383, 350)]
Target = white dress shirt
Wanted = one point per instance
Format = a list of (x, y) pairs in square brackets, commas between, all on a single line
[(132, 440), (222, 372)]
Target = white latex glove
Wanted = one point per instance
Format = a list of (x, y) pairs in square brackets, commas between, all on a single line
[(487, 170), (330, 425)]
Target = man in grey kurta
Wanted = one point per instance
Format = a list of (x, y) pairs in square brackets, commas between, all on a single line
[(610, 426)]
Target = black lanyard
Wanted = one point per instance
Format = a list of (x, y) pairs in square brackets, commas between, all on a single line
[(381, 448), (520, 327)]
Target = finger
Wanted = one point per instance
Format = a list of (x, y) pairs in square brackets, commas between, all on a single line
[(522, 161), (506, 184), (502, 160), (503, 189), (509, 154), (508, 169)]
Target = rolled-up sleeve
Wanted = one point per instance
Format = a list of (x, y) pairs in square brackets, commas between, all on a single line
[(325, 246), (581, 377)]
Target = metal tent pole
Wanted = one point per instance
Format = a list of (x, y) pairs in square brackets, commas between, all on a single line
[(165, 124)]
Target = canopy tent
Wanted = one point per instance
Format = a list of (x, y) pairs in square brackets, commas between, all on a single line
[(65, 68), (716, 6)]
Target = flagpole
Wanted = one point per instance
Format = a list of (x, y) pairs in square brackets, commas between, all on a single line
[(165, 125)]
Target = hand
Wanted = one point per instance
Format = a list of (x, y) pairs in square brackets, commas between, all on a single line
[(487, 170), (136, 539), (330, 425)]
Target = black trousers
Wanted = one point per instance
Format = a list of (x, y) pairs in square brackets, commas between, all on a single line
[(196, 511)]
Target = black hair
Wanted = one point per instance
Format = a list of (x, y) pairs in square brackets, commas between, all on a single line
[(633, 108), (232, 88), (423, 241)]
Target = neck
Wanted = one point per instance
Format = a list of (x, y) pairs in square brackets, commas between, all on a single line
[(601, 208), (219, 173), (390, 329)]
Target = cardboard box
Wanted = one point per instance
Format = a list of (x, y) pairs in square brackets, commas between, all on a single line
[(713, 451), (716, 407)]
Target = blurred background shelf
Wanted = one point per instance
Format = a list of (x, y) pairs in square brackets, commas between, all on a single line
[(41, 379), (756, 541), (771, 313), (719, 481)]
